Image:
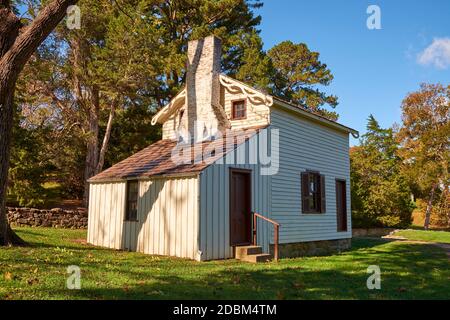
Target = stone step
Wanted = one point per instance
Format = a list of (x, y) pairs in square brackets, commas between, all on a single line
[(243, 251), (255, 258)]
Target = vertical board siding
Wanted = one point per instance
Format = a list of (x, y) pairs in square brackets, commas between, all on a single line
[(167, 217), (214, 205), (170, 221), (106, 214), (168, 213), (91, 220), (305, 145)]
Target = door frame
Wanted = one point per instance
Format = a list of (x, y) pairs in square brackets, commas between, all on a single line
[(248, 172), (345, 204)]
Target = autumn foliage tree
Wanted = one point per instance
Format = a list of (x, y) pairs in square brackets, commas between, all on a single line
[(425, 143)]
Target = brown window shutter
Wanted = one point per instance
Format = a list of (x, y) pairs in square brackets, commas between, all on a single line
[(323, 204), (305, 193)]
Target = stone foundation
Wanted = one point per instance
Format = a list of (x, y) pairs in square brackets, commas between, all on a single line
[(57, 218), (312, 248)]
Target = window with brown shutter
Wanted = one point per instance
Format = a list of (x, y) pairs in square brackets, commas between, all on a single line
[(341, 205), (313, 192), (238, 110), (132, 200)]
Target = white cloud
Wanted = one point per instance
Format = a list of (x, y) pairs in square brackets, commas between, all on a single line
[(436, 54)]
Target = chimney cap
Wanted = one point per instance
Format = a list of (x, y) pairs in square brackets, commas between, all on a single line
[(207, 37)]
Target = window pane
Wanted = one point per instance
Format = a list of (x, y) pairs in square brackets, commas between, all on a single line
[(312, 187), (311, 203), (314, 198), (132, 198), (239, 109)]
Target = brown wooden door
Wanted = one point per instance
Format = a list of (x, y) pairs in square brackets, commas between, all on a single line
[(341, 205), (240, 207)]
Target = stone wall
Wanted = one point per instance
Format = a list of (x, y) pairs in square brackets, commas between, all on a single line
[(312, 248), (57, 218), (371, 232)]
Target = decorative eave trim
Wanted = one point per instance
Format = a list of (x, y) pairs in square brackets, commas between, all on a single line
[(233, 86), (254, 96), (170, 108)]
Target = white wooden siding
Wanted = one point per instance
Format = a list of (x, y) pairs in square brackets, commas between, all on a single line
[(214, 205), (106, 215), (257, 115), (167, 217), (170, 127), (184, 217), (305, 145)]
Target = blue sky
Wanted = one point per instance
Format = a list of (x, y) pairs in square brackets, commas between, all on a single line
[(373, 69)]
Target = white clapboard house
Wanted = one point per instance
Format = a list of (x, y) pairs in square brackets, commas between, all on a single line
[(237, 174)]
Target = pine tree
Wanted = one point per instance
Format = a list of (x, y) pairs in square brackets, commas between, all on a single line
[(297, 73), (131, 54), (380, 193)]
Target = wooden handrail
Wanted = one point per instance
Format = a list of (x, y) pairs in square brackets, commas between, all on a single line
[(276, 226), (265, 218)]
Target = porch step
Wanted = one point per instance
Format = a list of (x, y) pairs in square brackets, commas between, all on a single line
[(243, 251), (255, 258), (251, 254)]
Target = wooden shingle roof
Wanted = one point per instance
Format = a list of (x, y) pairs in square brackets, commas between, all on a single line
[(156, 159)]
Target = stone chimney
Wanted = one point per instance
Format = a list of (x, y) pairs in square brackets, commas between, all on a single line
[(204, 115)]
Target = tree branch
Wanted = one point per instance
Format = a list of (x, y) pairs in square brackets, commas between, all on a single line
[(104, 148), (33, 35)]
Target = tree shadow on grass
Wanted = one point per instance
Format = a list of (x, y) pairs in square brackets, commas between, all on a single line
[(409, 271), (265, 284), (402, 278), (28, 232), (40, 240), (367, 242), (37, 237)]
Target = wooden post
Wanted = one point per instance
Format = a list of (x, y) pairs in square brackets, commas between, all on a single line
[(254, 229), (275, 253), (276, 233)]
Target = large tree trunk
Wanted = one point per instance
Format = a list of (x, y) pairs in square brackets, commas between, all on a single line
[(9, 30), (7, 85), (92, 143), (429, 207), (88, 99), (446, 205), (95, 159), (15, 50)]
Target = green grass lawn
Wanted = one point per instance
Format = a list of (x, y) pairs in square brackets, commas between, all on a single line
[(422, 235), (409, 271)]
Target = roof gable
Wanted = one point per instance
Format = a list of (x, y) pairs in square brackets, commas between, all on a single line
[(256, 97), (233, 86)]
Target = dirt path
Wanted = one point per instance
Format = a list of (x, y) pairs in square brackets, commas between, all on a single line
[(444, 246)]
